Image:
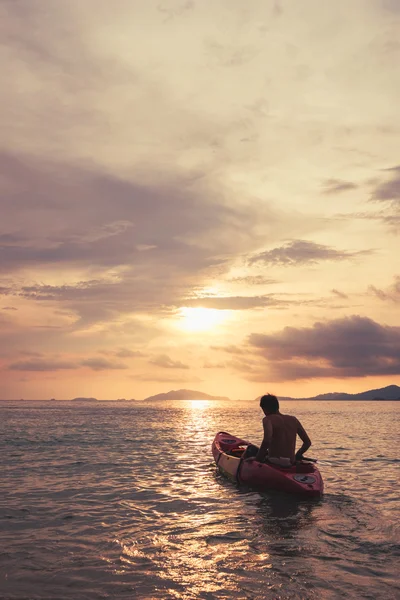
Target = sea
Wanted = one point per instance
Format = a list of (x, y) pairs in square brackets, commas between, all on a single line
[(104, 500)]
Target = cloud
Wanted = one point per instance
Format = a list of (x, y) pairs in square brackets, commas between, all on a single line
[(9, 308), (254, 280), (336, 186), (30, 353), (229, 349), (144, 245), (213, 365), (349, 347), (389, 191), (123, 353), (158, 172), (392, 293), (391, 5), (42, 365), (235, 302), (393, 221), (339, 294), (249, 366), (301, 252), (102, 364), (166, 362), (126, 353), (387, 215), (175, 10)]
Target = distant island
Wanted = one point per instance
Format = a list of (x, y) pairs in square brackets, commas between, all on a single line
[(391, 392), (185, 395)]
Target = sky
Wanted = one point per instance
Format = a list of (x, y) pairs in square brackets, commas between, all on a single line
[(199, 194)]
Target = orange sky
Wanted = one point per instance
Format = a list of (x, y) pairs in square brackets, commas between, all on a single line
[(199, 194)]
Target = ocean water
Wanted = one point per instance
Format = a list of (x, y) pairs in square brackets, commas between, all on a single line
[(122, 500)]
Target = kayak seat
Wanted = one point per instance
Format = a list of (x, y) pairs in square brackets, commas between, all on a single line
[(250, 451), (279, 467), (237, 451)]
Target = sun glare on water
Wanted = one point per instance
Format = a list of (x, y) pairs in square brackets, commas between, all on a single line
[(199, 404), (201, 319)]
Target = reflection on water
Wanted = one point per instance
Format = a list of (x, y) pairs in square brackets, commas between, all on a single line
[(124, 501), (200, 404), (284, 515)]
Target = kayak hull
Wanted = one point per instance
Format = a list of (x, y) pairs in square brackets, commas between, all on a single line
[(229, 453)]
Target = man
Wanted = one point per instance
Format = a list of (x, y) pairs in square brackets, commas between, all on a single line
[(279, 443)]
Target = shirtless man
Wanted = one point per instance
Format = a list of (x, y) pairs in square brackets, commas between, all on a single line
[(279, 443)]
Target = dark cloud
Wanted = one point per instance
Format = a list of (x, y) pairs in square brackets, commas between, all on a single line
[(9, 308), (336, 186), (389, 191), (301, 252), (166, 362), (5, 290), (164, 238), (391, 5), (350, 347), (91, 218), (41, 365), (102, 364), (102, 300), (289, 371)]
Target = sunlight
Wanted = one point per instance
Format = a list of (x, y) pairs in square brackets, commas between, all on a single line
[(201, 319), (199, 403)]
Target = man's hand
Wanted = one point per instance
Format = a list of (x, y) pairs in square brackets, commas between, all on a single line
[(298, 455)]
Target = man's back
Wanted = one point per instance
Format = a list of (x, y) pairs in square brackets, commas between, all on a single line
[(283, 440), (280, 432)]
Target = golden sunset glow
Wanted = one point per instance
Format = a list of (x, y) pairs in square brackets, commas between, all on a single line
[(199, 195), (201, 319)]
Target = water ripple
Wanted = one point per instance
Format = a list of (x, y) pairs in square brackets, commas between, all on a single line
[(123, 501)]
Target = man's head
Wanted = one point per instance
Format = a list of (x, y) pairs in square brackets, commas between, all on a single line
[(269, 404)]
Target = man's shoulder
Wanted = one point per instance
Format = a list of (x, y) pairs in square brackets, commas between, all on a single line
[(291, 418)]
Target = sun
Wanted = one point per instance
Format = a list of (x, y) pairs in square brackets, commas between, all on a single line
[(201, 319)]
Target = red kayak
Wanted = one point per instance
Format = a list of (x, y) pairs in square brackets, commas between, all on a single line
[(230, 455)]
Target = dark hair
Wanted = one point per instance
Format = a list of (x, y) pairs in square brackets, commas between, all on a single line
[(269, 403)]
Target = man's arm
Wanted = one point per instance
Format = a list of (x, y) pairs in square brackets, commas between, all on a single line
[(301, 432), (262, 453)]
